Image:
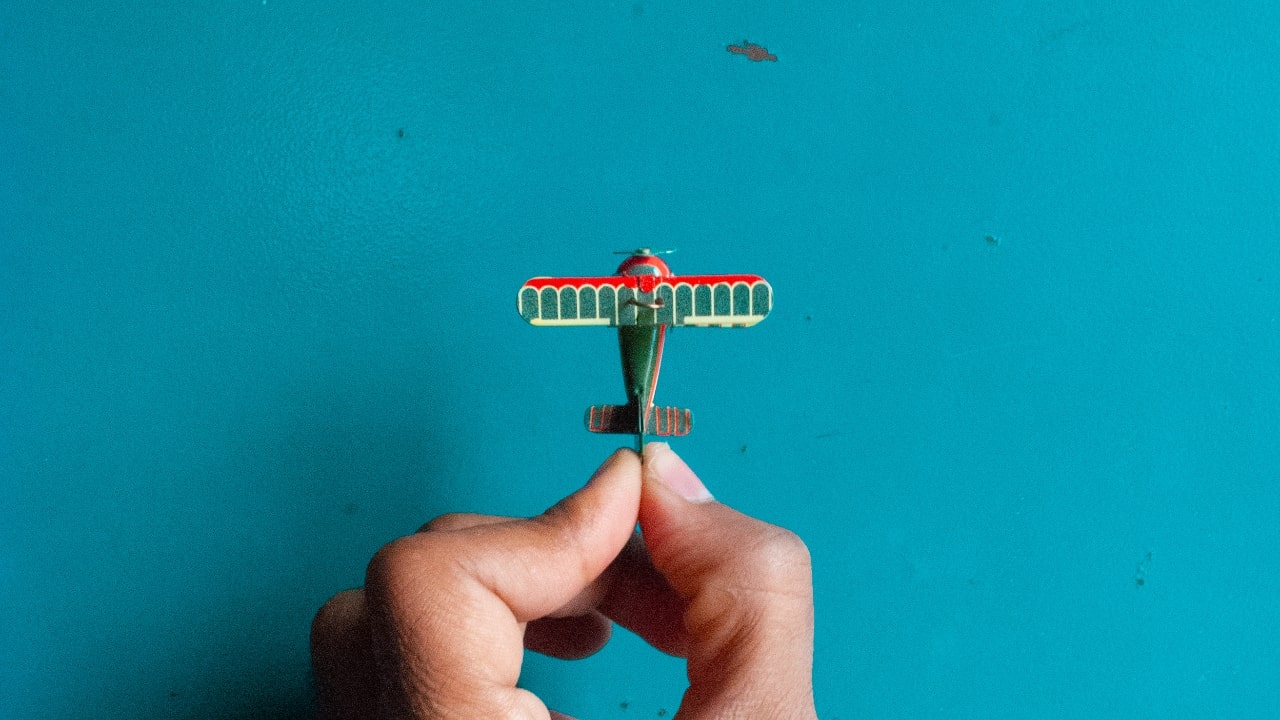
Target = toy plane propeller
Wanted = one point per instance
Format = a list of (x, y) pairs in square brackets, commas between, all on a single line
[(642, 299)]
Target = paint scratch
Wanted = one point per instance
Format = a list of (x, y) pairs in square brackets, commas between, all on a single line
[(755, 53)]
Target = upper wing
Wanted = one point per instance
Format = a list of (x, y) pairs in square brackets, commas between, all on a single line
[(614, 300)]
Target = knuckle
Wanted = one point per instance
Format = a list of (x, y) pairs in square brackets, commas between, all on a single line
[(777, 559), (396, 565), (449, 521), (333, 617)]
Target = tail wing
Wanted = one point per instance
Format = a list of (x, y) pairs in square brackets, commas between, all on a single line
[(624, 420)]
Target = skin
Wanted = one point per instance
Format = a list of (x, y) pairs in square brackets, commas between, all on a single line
[(439, 628)]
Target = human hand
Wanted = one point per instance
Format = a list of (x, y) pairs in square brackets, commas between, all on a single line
[(440, 627)]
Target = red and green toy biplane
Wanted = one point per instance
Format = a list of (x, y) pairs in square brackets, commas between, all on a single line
[(642, 300)]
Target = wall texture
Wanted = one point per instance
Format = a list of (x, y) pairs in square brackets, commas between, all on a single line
[(1019, 391)]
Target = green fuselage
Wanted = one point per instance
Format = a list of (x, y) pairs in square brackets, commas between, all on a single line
[(641, 349)]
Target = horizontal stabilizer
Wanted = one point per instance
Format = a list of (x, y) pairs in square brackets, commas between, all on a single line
[(670, 421), (622, 420)]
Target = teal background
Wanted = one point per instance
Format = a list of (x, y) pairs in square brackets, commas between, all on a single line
[(1024, 351)]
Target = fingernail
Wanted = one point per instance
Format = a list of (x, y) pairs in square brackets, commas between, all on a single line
[(668, 469)]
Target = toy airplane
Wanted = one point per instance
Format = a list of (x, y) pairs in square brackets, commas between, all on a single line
[(642, 300)]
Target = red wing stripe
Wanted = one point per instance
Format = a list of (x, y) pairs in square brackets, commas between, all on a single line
[(712, 280), (563, 282), (621, 281)]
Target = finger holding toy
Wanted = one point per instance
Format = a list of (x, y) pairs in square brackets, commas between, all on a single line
[(440, 627)]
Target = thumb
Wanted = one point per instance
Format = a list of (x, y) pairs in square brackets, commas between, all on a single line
[(447, 608), (748, 597)]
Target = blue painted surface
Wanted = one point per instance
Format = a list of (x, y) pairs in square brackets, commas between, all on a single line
[(1024, 353)]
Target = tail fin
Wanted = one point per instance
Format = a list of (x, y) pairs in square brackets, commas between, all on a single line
[(622, 420)]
